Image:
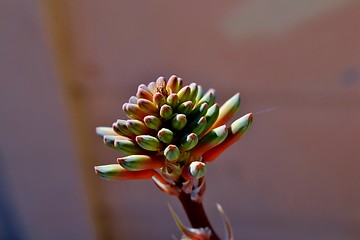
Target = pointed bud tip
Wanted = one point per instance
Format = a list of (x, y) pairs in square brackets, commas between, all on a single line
[(172, 147), (250, 117), (192, 136), (181, 117)]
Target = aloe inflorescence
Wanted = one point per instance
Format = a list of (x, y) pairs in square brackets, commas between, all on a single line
[(172, 131)]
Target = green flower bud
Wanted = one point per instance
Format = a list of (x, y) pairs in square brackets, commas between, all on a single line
[(147, 106), (178, 122), (173, 84), (166, 111), (102, 131), (185, 107), (200, 94), (198, 111), (240, 126), (148, 142), (109, 140), (210, 140), (199, 126), (209, 97), (184, 94), (159, 99), (236, 131), (120, 128), (165, 135), (133, 111), (228, 110), (128, 146), (144, 92), (140, 162), (189, 141), (211, 116), (172, 153), (193, 91), (137, 127), (117, 172), (152, 122), (180, 83), (173, 100), (197, 169)]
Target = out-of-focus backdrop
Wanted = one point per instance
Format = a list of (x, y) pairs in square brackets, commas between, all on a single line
[(66, 66)]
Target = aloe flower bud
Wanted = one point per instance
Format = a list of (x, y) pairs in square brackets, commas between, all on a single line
[(179, 121), (189, 142), (211, 116), (199, 95), (185, 107), (137, 127), (228, 110), (120, 128), (139, 162), (172, 127), (166, 111), (147, 106), (159, 99), (184, 94), (172, 153), (193, 90), (133, 99), (102, 131), (133, 111), (144, 92), (210, 140), (148, 142), (236, 131), (110, 139), (116, 172), (152, 122), (128, 146), (173, 100), (209, 97), (199, 126), (165, 135), (197, 169), (198, 111), (173, 85), (152, 87), (160, 84)]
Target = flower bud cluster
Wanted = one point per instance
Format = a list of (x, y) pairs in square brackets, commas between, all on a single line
[(172, 127)]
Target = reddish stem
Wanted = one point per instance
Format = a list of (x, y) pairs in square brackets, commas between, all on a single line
[(196, 214)]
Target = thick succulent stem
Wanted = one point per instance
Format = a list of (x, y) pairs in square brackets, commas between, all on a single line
[(196, 214)]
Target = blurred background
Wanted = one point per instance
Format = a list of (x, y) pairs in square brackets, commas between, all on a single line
[(67, 66)]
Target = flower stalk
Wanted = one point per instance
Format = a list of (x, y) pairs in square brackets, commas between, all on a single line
[(196, 214)]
